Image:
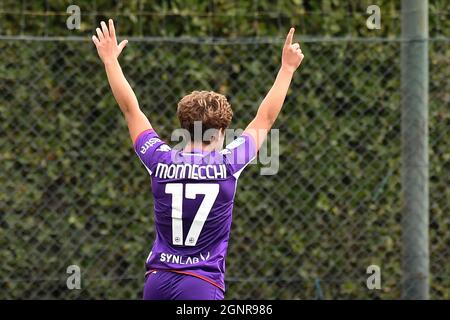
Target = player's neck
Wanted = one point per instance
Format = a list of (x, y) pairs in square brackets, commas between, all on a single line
[(195, 146)]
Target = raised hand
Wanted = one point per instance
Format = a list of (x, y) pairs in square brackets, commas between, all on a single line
[(292, 54), (106, 42)]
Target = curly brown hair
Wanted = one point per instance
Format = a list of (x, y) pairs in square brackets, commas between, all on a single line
[(210, 108)]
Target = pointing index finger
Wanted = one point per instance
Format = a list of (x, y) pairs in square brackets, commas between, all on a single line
[(289, 37)]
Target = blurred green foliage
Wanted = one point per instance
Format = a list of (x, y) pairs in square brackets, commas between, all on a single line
[(218, 18)]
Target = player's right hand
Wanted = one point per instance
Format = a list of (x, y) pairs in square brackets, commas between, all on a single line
[(292, 54), (106, 42)]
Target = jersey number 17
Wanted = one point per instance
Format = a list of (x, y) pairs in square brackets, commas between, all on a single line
[(210, 190)]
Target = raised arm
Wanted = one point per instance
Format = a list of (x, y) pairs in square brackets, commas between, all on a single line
[(109, 51), (271, 105)]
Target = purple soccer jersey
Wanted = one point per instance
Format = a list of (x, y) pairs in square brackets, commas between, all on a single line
[(193, 203)]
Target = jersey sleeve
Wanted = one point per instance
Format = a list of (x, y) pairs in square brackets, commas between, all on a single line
[(150, 149), (239, 153)]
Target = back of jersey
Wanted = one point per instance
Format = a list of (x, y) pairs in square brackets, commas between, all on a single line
[(193, 203)]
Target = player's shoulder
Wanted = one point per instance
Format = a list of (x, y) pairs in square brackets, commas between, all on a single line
[(242, 146), (145, 140), (150, 147), (236, 143), (239, 153)]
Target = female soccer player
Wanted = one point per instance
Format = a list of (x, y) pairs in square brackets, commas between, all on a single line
[(193, 188)]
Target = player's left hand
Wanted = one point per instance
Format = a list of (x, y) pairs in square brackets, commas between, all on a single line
[(106, 42), (292, 54)]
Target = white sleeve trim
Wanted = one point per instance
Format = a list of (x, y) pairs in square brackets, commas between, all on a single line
[(148, 169), (238, 173)]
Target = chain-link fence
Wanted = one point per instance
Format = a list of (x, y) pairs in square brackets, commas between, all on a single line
[(73, 192)]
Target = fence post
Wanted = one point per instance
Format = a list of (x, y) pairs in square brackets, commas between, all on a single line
[(414, 90)]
